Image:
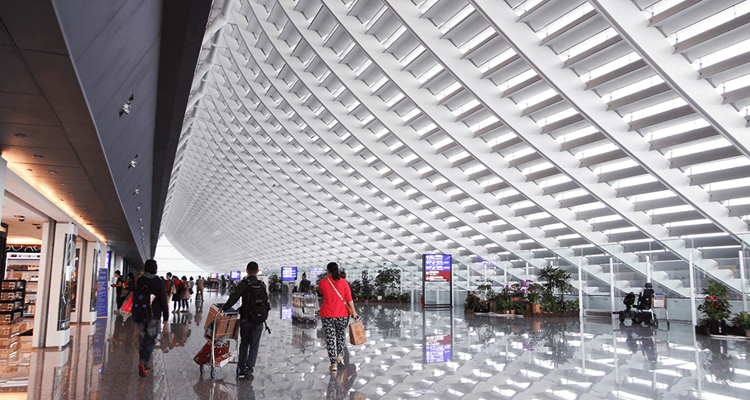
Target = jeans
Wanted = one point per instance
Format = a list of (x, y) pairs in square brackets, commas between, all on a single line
[(147, 332), (250, 334)]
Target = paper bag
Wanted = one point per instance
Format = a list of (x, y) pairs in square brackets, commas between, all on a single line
[(357, 333)]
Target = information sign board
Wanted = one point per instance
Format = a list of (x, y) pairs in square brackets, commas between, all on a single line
[(235, 275), (289, 274), (437, 267)]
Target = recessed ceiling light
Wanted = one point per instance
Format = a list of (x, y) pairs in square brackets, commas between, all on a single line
[(20, 135), (52, 172), (29, 169), (38, 156)]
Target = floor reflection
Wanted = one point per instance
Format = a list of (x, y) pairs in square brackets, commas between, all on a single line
[(409, 354)]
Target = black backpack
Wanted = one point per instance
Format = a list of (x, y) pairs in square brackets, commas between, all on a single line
[(141, 302), (255, 304)]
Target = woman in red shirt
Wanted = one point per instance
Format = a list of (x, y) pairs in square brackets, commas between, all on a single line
[(334, 313)]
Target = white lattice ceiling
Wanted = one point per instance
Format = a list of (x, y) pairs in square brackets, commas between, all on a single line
[(543, 131)]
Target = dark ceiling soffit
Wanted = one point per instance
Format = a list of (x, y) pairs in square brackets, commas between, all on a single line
[(183, 28)]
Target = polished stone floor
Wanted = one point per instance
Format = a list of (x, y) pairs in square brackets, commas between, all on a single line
[(409, 354)]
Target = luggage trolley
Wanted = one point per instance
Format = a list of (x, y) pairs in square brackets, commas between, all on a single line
[(218, 331), (305, 307)]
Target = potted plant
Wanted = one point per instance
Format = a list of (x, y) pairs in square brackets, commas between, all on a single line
[(388, 280), (367, 289), (572, 308), (274, 283), (486, 291), (557, 281), (503, 301), (549, 303), (471, 304), (742, 321), (716, 306), (534, 295)]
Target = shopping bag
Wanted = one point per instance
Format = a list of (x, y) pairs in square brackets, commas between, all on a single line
[(357, 333), (127, 307)]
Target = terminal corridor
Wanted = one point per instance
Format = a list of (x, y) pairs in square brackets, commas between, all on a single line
[(409, 354)]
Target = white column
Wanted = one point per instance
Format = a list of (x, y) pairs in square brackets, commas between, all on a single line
[(693, 310), (612, 282), (649, 269), (505, 272), (580, 291), (63, 259), (42, 296), (743, 285), (88, 282)]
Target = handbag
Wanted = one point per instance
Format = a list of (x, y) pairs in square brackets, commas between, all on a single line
[(357, 333), (348, 309)]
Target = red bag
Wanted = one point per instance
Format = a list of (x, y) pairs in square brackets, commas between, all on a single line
[(127, 307), (221, 352)]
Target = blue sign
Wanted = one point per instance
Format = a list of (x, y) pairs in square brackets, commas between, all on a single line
[(102, 309), (289, 274), (438, 349), (236, 275), (437, 267)]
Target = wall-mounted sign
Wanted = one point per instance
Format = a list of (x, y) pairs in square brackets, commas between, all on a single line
[(438, 349), (437, 267), (101, 294), (215, 275), (235, 275), (95, 281), (315, 272), (67, 285), (289, 274)]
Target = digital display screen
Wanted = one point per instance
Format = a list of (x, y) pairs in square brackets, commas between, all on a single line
[(438, 349), (289, 274), (437, 267), (286, 312), (215, 275), (314, 272), (235, 275)]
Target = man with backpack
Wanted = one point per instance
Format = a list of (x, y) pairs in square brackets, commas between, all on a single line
[(253, 314), (149, 302)]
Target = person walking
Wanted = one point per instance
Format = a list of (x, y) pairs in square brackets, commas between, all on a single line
[(185, 294), (148, 321), (178, 290), (191, 287), (304, 284), (169, 287), (199, 288), (334, 313), (118, 284), (253, 314)]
